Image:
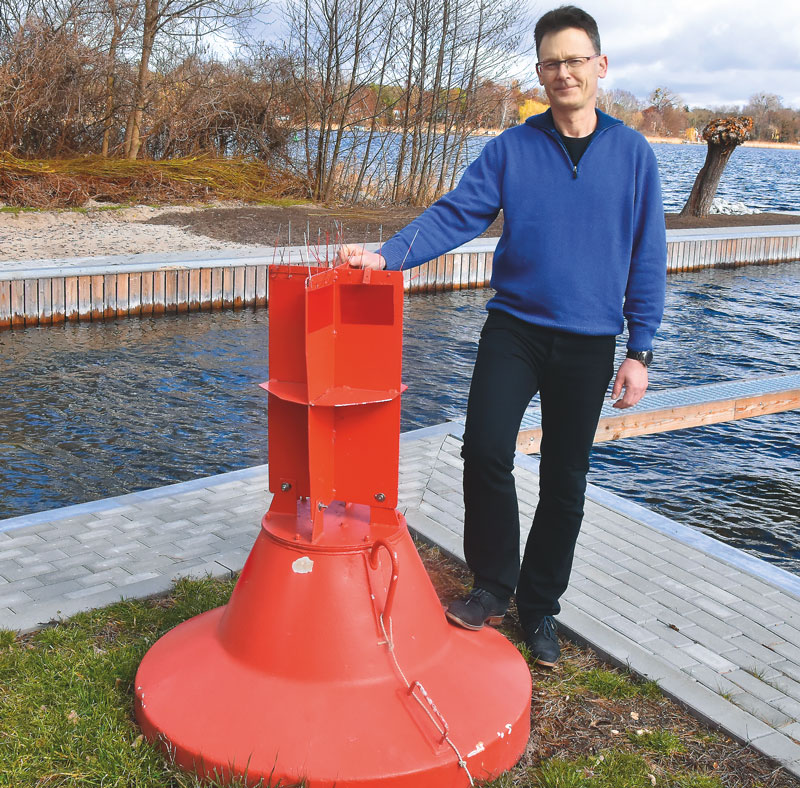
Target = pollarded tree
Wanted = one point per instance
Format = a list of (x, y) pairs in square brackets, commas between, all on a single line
[(723, 135)]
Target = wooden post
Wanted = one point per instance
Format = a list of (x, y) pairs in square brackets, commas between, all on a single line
[(45, 301), (59, 311), (226, 288), (159, 292), (123, 297), (31, 302), (147, 293), (171, 291), (185, 290), (205, 289), (98, 297), (262, 285), (135, 293), (71, 310), (199, 284), (110, 296), (5, 304), (250, 286), (17, 302)]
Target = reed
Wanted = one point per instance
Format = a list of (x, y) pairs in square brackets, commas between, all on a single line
[(71, 182)]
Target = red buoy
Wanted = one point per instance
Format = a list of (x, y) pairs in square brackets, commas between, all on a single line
[(333, 662)]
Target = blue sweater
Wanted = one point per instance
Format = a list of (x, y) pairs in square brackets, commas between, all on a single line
[(582, 247)]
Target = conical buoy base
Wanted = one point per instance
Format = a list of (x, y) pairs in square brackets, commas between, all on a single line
[(295, 679)]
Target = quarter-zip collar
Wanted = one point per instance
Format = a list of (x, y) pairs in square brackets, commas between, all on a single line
[(544, 121)]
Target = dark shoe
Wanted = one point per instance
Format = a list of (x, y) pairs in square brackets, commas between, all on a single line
[(479, 608), (543, 643)]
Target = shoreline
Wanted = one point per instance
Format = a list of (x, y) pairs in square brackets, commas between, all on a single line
[(60, 234), (651, 138), (493, 132), (748, 144)]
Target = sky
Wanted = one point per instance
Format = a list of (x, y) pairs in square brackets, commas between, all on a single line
[(710, 52)]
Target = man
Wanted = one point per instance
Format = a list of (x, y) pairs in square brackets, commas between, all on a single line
[(583, 251)]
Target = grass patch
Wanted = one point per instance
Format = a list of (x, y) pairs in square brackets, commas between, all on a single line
[(15, 209), (661, 742), (7, 639), (609, 683), (559, 773), (618, 769), (696, 781), (608, 769), (67, 695), (95, 208), (282, 202)]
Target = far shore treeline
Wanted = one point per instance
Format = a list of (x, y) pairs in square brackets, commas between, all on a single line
[(373, 100)]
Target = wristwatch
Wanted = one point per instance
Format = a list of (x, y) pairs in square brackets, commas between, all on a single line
[(645, 356)]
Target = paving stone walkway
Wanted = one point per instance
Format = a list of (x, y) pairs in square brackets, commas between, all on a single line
[(718, 629)]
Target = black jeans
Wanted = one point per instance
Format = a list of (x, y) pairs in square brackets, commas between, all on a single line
[(571, 372)]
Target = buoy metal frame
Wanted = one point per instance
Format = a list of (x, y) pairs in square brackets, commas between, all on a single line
[(333, 665)]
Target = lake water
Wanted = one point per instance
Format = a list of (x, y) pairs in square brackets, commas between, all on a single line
[(92, 410), (766, 179)]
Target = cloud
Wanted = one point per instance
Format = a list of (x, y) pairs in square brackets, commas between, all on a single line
[(712, 53)]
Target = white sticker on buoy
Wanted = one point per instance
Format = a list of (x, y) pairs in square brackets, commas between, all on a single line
[(302, 566), (478, 749)]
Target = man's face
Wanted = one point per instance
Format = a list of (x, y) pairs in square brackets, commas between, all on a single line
[(570, 90)]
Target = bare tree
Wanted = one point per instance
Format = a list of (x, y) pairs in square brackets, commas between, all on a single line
[(764, 108), (391, 89), (478, 42), (663, 97), (234, 108), (120, 16), (621, 104), (176, 19), (48, 81), (339, 49)]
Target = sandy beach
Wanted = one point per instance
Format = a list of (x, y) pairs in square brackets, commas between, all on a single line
[(53, 235), (36, 235), (748, 144)]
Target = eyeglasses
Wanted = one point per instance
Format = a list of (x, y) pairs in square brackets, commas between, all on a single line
[(573, 64)]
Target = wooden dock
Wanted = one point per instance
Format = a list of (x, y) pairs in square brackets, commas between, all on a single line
[(46, 292), (677, 409)]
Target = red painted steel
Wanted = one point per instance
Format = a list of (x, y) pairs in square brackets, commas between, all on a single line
[(333, 662)]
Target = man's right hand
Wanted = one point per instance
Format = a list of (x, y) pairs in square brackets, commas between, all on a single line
[(358, 257)]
